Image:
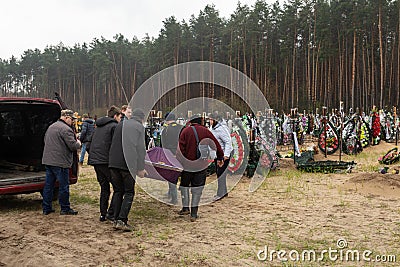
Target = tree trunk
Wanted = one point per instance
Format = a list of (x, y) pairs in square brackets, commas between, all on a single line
[(381, 53), (398, 58), (294, 66), (353, 69)]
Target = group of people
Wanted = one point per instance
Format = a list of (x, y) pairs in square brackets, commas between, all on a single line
[(87, 128), (184, 142), (116, 148)]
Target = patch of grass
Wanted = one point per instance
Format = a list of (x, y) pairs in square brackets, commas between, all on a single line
[(277, 241), (159, 254), (289, 189), (200, 257), (128, 259), (247, 254), (293, 174), (146, 211), (82, 199), (138, 233), (266, 185), (90, 182), (330, 185), (369, 197), (222, 225), (369, 168), (342, 204), (87, 176), (251, 239), (395, 239), (296, 189), (195, 259), (164, 235), (383, 205), (365, 156), (275, 173)]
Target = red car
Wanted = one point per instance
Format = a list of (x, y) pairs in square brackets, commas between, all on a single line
[(23, 124)]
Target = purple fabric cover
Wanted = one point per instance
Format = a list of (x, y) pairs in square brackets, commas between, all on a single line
[(162, 164)]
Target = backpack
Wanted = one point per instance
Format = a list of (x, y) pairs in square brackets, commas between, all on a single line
[(202, 151), (170, 136)]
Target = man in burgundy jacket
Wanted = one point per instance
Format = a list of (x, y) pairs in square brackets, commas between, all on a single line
[(195, 170)]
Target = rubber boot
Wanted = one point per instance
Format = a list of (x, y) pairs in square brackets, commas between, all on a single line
[(194, 206), (173, 193), (185, 201)]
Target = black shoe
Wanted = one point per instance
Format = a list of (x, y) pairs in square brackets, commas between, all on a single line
[(184, 212), (124, 226), (102, 218), (193, 218), (68, 212), (47, 212), (127, 228), (119, 224), (110, 218)]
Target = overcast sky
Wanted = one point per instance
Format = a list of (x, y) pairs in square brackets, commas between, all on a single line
[(30, 24)]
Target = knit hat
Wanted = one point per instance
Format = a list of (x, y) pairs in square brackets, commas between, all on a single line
[(196, 119), (170, 116)]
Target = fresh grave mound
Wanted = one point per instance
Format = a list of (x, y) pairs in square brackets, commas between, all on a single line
[(386, 185), (391, 180)]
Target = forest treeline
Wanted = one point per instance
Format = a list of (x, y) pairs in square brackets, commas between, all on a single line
[(302, 53)]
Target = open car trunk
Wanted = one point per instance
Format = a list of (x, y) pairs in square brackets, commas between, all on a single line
[(23, 124)]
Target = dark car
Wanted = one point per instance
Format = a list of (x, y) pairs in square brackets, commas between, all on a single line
[(23, 124)]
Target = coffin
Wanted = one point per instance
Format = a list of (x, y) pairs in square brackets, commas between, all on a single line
[(161, 164)]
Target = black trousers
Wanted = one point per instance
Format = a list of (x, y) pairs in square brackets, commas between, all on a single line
[(124, 191), (104, 178), (221, 175), (196, 182), (194, 179)]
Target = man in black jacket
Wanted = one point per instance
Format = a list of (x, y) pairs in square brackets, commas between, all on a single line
[(122, 180), (99, 155), (85, 136), (169, 140)]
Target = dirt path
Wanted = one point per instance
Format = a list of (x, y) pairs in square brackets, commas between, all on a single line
[(291, 211)]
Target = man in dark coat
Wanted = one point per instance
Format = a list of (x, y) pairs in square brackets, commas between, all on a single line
[(86, 134), (121, 176), (169, 140), (99, 155), (195, 169), (59, 145)]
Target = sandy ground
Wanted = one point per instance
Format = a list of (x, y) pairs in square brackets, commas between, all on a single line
[(291, 212)]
